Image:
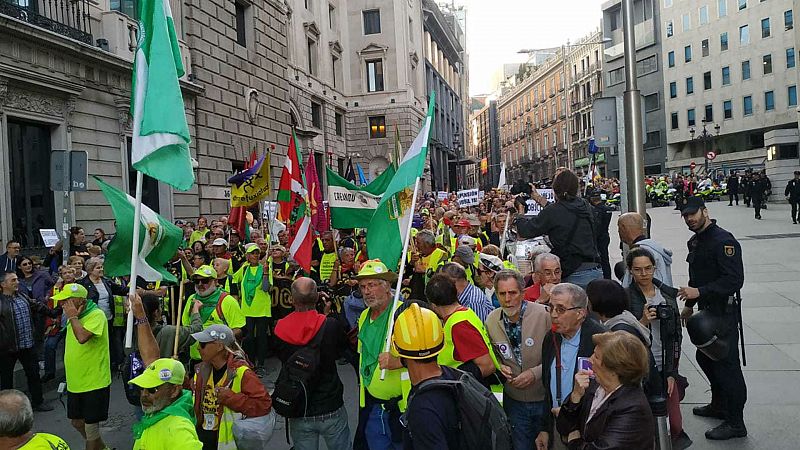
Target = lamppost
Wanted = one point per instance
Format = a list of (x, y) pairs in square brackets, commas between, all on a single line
[(706, 138)]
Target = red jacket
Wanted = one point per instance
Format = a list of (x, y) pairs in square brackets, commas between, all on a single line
[(253, 401)]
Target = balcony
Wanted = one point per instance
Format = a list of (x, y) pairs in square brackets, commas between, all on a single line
[(68, 18)]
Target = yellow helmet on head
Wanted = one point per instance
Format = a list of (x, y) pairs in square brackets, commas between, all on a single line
[(417, 334)]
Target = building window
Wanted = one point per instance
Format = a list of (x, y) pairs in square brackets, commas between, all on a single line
[(241, 24), (311, 45), (667, 3), (722, 8), (742, 4), (726, 75), (673, 89), (651, 102), (316, 115), (377, 127), (669, 28), (687, 53), (769, 100), (745, 70), (790, 58), (706, 81), (647, 65), (766, 62), (671, 59), (765, 28), (704, 47), (307, 4), (616, 76), (372, 21), (331, 16), (374, 75), (747, 105), (653, 139), (689, 85), (690, 117), (727, 109), (791, 94), (744, 35), (674, 120), (788, 19), (338, 119), (723, 41), (709, 117), (703, 13), (686, 22), (335, 69)]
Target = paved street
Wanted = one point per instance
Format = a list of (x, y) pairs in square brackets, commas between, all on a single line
[(771, 311)]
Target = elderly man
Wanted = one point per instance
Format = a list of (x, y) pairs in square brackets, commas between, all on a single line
[(569, 339), (256, 305), (323, 258), (18, 315), (430, 257), (87, 363), (16, 425), (380, 400), (469, 295), (546, 274), (517, 332), (632, 233)]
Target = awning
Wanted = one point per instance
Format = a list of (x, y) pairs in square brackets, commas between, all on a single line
[(584, 162)]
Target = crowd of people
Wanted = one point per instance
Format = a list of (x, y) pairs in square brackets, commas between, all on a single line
[(560, 356)]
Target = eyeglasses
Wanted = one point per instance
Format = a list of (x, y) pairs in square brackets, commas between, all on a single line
[(25, 264), (152, 391), (643, 270), (550, 273), (202, 281), (560, 310)]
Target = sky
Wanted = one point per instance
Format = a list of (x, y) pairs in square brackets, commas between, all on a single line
[(497, 29)]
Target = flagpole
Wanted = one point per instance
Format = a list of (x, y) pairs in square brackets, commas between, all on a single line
[(137, 214), (178, 322), (400, 274), (505, 233)]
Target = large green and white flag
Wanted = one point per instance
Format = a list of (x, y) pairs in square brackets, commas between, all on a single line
[(352, 206), (158, 238), (160, 134), (386, 233)]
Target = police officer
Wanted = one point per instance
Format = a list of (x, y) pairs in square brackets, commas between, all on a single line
[(716, 274)]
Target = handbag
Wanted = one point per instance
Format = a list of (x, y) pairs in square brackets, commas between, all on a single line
[(253, 433)]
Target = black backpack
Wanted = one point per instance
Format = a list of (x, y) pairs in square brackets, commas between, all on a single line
[(482, 422), (290, 398)]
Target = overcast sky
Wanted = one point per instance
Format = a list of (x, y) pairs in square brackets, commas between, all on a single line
[(496, 29)]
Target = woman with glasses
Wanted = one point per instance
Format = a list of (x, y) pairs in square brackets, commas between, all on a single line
[(35, 283)]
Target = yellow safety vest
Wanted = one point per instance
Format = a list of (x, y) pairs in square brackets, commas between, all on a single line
[(388, 388), (432, 262), (326, 266), (225, 440), (119, 311)]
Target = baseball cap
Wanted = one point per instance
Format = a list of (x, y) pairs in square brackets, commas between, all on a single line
[(463, 223), (473, 220), (693, 204), (491, 262), (220, 241), (424, 212), (374, 268), (72, 290), (205, 271), (466, 240), (164, 370), (216, 333), (279, 247), (250, 248), (465, 254)]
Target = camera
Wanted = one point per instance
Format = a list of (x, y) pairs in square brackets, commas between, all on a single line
[(663, 312)]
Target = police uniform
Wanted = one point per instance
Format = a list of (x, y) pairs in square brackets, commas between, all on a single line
[(717, 271)]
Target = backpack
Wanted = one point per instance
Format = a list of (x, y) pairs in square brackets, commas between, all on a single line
[(132, 367), (482, 422), (290, 397)]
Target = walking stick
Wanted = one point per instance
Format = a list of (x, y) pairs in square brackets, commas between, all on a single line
[(178, 318)]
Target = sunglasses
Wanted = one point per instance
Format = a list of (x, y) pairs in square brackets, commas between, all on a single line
[(202, 281), (152, 391)]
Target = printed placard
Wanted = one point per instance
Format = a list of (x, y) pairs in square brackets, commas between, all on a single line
[(468, 197), (534, 208)]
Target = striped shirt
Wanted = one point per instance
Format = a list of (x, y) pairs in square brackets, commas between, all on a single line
[(474, 299)]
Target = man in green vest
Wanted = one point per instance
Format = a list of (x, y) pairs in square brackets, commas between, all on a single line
[(254, 285), (16, 426), (381, 397), (323, 257)]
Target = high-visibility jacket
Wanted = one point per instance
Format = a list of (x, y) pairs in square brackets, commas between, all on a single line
[(388, 388)]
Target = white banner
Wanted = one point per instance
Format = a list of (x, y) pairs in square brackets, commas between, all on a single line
[(468, 197), (49, 236), (534, 208), (442, 195), (341, 197)]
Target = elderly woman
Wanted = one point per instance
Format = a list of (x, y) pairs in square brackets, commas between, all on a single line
[(101, 290), (607, 405)]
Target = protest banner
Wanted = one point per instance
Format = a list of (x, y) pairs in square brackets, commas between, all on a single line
[(534, 208), (468, 197)]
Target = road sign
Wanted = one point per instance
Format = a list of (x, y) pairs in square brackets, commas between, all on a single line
[(710, 156), (692, 165), (72, 177)]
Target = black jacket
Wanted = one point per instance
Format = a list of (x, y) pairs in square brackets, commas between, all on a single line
[(733, 184), (622, 422), (112, 288), (589, 328), (715, 267), (793, 191), (557, 221), (9, 264), (670, 294), (8, 327), (759, 188)]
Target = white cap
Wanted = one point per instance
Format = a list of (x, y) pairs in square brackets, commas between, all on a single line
[(466, 240), (220, 241)]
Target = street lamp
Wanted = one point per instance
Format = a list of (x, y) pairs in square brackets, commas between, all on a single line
[(706, 138)]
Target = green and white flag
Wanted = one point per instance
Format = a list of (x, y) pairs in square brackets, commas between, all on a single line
[(352, 206), (158, 238), (160, 134), (386, 233)]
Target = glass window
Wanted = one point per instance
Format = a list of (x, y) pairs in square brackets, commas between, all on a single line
[(726, 75), (241, 32), (722, 8), (704, 47), (765, 28), (769, 100), (316, 115), (723, 41), (744, 35), (339, 122), (709, 113), (651, 102), (674, 120), (747, 105), (667, 3), (727, 109), (673, 89), (671, 59), (707, 81), (745, 70), (788, 19), (690, 117), (686, 22), (377, 127), (689, 85), (374, 75), (669, 28), (766, 62), (790, 58), (703, 13), (372, 21), (742, 4), (687, 53), (791, 94)]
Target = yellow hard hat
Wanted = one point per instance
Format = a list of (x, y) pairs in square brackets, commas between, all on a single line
[(417, 334)]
